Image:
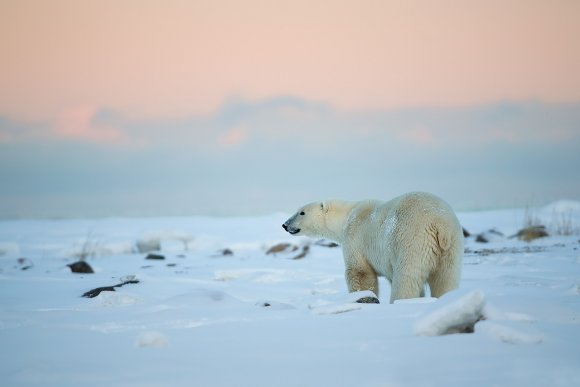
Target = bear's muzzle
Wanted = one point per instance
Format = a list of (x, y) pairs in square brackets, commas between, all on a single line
[(290, 229)]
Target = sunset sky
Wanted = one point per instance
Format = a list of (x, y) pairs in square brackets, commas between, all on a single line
[(134, 107)]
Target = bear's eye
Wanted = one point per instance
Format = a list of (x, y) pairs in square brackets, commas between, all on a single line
[(302, 213)]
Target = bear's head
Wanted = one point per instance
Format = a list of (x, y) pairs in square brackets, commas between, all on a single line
[(309, 220)]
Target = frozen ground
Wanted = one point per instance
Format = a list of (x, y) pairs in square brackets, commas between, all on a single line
[(202, 318)]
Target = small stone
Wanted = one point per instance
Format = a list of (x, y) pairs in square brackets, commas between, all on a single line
[(157, 257), (80, 267), (25, 263)]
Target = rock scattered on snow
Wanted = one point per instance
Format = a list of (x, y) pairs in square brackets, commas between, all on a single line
[(157, 257), (286, 248), (25, 263), (275, 305), (80, 267), (303, 253), (223, 253), (124, 281), (507, 250), (282, 248), (466, 233), (528, 234), (341, 303), (492, 235)]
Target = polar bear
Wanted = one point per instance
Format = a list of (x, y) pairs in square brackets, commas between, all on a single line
[(412, 240)]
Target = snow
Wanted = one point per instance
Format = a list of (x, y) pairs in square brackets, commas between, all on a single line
[(202, 318), (453, 317)]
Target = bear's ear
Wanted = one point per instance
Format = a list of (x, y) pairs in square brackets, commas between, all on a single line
[(323, 207)]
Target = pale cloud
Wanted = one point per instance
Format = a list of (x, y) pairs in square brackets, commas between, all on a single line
[(234, 137), (273, 154), (79, 123)]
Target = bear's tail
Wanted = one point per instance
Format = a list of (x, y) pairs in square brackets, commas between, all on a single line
[(443, 238)]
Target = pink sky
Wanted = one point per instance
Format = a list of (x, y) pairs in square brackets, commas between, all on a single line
[(173, 58)]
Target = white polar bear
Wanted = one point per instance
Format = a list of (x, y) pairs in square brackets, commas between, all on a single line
[(412, 240)]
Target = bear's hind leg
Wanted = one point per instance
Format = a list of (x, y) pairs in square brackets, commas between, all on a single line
[(442, 281), (406, 286)]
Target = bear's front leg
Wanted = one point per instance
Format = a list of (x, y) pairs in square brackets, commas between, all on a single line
[(360, 278)]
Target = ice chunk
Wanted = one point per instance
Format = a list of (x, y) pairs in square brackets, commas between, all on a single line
[(457, 316)]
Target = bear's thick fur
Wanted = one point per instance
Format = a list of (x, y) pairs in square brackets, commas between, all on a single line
[(412, 240)]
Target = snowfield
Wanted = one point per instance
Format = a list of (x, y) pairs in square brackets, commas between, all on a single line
[(219, 311)]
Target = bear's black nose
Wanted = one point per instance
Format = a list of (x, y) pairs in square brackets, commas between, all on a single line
[(285, 227)]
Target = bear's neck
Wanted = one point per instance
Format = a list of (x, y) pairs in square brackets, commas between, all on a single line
[(338, 213)]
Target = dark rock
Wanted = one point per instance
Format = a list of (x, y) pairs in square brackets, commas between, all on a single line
[(528, 234), (481, 239), (274, 305), (157, 257), (95, 292), (81, 267), (25, 263), (492, 235), (223, 253), (171, 264), (466, 233)]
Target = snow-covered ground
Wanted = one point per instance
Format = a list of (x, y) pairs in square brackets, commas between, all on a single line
[(204, 318)]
